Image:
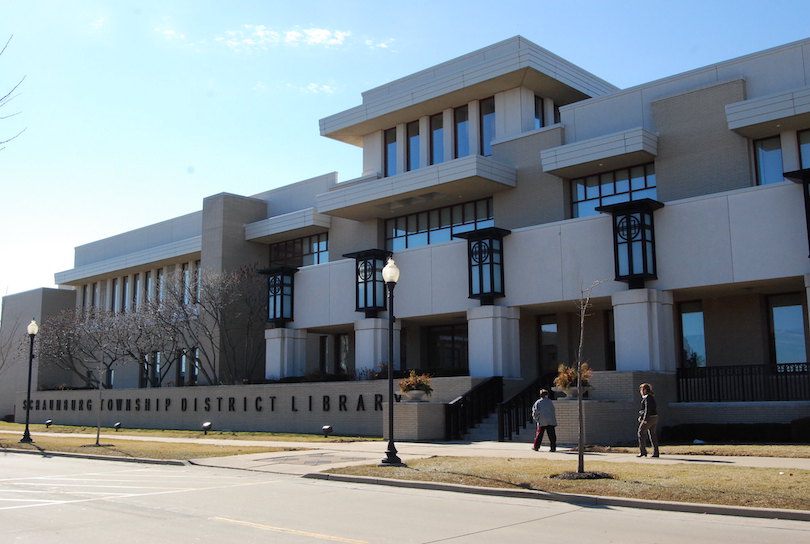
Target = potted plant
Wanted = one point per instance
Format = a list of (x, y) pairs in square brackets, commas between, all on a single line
[(416, 386), (566, 380)]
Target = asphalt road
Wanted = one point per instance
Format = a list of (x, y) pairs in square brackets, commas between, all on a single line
[(64, 500)]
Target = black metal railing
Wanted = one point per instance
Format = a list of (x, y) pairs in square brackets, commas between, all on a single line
[(515, 413), (744, 383), (472, 407)]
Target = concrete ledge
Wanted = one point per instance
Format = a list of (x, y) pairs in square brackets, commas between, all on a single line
[(173, 462), (586, 500)]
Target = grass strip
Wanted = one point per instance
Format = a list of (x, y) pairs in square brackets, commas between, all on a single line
[(683, 482)]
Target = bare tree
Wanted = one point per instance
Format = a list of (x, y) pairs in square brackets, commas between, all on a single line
[(12, 342), (220, 319), (583, 306), (8, 97)]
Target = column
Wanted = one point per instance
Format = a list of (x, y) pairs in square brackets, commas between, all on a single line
[(371, 345), (644, 330), (494, 341), (286, 353)]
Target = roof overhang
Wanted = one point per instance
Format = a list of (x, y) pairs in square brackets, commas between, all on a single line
[(770, 115), (610, 152), (287, 226), (444, 184)]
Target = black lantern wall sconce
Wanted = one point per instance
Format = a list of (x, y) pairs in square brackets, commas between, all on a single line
[(369, 283), (485, 263), (280, 294), (634, 240)]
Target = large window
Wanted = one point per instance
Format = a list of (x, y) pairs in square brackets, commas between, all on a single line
[(549, 354), (413, 145), (768, 155), (301, 251), (804, 148), (390, 151), (622, 185), (461, 135), (693, 337), (487, 109), (538, 112), (436, 138), (436, 226), (446, 350), (786, 317)]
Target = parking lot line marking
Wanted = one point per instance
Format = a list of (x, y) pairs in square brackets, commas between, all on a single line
[(291, 531)]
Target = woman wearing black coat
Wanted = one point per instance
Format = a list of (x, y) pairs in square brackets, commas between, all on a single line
[(647, 420)]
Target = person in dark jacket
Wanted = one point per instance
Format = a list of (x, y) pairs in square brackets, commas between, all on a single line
[(545, 416), (647, 420)]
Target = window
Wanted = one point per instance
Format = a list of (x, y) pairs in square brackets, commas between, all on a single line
[(136, 290), (549, 355), (622, 185), (96, 295), (768, 156), (197, 281), (390, 152), (126, 296), (84, 297), (160, 286), (693, 337), (804, 148), (786, 320), (186, 285), (301, 251), (437, 226), (538, 112), (147, 286), (446, 348), (113, 295), (487, 111), (436, 138), (413, 145), (461, 136)]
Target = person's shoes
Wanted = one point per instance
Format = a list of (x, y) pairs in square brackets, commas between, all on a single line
[(654, 455), (553, 449), (641, 455), (535, 449)]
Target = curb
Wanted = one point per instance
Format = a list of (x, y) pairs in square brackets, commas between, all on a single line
[(95, 457), (585, 500)]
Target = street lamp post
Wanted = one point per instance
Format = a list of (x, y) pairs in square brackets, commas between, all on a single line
[(390, 275), (33, 329)]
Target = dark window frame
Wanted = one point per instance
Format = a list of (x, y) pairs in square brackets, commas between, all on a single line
[(463, 209), (649, 173)]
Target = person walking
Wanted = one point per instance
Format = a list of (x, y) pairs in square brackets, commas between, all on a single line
[(545, 416), (647, 420)]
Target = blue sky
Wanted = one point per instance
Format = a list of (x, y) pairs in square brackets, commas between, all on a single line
[(134, 111)]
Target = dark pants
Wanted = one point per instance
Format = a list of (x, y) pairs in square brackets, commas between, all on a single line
[(552, 436), (648, 430)]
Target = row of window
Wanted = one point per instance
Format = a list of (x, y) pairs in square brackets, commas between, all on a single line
[(438, 225), (623, 185), (461, 136), (768, 157), (785, 324), (130, 293), (301, 251)]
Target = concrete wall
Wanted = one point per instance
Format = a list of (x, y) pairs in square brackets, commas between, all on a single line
[(697, 153), (18, 310)]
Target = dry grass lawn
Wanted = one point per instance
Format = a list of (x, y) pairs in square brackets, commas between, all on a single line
[(130, 448), (685, 482)]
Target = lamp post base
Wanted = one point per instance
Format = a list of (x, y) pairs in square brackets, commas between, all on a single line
[(26, 439), (391, 459)]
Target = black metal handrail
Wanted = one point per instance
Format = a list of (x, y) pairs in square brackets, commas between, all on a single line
[(744, 383), (515, 412), (472, 407)]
